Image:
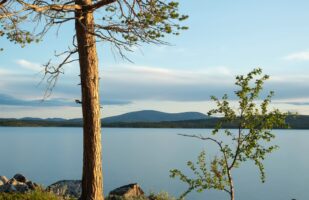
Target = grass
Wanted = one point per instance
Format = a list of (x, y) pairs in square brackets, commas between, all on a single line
[(161, 196), (42, 195), (152, 196), (35, 195)]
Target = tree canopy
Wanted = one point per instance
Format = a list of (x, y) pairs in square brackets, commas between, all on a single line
[(247, 142), (122, 23)]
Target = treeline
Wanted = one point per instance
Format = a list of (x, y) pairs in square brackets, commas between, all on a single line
[(295, 122), (38, 123)]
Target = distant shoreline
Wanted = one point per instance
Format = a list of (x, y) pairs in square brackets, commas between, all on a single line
[(298, 122)]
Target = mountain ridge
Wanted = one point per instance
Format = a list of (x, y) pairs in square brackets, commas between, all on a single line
[(135, 116), (295, 122), (154, 116)]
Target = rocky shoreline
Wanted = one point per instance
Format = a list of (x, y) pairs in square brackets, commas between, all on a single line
[(19, 183), (64, 188)]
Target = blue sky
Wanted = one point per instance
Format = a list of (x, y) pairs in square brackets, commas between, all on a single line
[(225, 38)]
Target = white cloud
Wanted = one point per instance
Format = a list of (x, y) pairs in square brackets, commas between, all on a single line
[(4, 72), (168, 49), (292, 79), (298, 56), (133, 82), (29, 65), (158, 75), (149, 70), (155, 86)]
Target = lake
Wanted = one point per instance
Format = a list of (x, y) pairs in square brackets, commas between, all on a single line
[(46, 155)]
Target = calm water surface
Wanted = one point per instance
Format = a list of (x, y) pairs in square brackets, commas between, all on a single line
[(145, 156)]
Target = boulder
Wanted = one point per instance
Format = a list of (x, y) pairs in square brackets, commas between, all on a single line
[(32, 185), (21, 187), (20, 178), (17, 184), (126, 191), (66, 188), (3, 180), (8, 188)]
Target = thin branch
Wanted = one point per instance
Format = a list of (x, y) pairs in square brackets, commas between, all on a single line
[(239, 142), (54, 7), (204, 138), (52, 72), (219, 143), (226, 190), (99, 4)]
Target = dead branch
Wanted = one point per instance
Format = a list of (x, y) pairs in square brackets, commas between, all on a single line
[(52, 72)]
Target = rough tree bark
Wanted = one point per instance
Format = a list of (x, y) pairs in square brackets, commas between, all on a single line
[(92, 179)]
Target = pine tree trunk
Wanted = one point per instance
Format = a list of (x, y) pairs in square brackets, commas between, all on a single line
[(92, 180)]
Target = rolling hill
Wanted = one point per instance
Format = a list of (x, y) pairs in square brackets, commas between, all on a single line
[(145, 119), (154, 116)]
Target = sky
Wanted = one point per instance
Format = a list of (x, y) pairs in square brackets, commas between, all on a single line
[(225, 39)]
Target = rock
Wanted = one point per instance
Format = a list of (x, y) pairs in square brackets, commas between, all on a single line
[(32, 185), (12, 181), (126, 191), (3, 180), (20, 178), (17, 184), (67, 188), (21, 187), (8, 188)]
